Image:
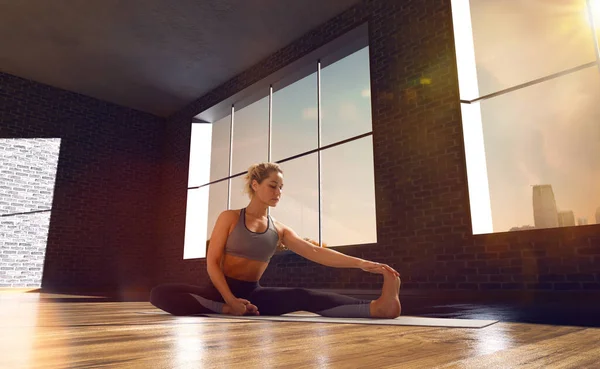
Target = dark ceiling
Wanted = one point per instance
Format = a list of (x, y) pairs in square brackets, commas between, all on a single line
[(152, 55)]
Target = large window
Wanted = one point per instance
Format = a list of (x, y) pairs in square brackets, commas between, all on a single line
[(317, 125), (530, 91)]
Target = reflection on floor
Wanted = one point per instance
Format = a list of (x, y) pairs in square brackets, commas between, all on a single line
[(39, 330)]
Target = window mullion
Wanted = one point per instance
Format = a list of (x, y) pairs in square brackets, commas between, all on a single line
[(320, 209), (230, 157)]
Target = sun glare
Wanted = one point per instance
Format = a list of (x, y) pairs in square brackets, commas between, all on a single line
[(594, 18)]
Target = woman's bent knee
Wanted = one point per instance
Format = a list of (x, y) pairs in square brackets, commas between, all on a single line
[(158, 294)]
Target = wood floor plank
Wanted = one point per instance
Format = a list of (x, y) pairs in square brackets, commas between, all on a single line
[(572, 350), (42, 331)]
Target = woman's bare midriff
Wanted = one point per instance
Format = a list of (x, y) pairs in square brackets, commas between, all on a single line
[(243, 269)]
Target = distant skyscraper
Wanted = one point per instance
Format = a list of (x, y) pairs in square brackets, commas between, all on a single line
[(566, 218), (598, 215), (544, 207)]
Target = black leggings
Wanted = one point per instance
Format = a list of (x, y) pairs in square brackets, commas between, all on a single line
[(185, 299)]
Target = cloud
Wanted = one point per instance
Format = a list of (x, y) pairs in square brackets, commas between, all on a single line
[(366, 92), (309, 113)]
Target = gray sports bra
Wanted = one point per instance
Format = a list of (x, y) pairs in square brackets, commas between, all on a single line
[(252, 245)]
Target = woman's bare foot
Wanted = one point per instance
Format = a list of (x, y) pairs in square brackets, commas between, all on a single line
[(251, 310), (388, 304)]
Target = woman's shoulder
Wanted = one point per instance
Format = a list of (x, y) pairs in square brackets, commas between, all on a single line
[(231, 214), (228, 219)]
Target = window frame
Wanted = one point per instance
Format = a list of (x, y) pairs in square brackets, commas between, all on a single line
[(310, 63)]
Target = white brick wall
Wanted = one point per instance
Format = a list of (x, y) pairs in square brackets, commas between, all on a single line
[(27, 176)]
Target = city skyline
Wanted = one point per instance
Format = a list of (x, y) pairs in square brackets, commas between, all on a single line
[(548, 214)]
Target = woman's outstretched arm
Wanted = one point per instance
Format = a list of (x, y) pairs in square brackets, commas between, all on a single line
[(328, 257)]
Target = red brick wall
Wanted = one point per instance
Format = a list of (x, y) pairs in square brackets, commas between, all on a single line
[(102, 232), (423, 217)]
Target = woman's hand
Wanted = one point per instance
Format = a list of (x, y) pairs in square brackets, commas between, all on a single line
[(377, 268), (242, 307)]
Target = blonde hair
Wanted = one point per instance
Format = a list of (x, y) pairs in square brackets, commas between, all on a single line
[(259, 172)]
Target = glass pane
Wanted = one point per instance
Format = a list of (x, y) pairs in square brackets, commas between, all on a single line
[(295, 119), (219, 154), (195, 223), (542, 148), (217, 203), (200, 154), (517, 41), (299, 205), (346, 98), (250, 135), (348, 194), (239, 198)]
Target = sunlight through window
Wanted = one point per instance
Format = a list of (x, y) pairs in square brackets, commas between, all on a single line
[(196, 219), (594, 17), (477, 177)]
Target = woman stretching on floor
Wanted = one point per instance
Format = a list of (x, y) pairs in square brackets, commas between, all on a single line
[(239, 252)]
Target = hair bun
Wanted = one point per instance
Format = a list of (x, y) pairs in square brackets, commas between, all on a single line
[(258, 172)]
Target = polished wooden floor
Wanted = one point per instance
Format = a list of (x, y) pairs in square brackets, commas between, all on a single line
[(40, 330)]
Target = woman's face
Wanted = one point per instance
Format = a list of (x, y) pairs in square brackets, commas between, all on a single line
[(269, 191)]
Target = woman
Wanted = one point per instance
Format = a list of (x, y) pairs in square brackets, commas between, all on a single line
[(239, 252)]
